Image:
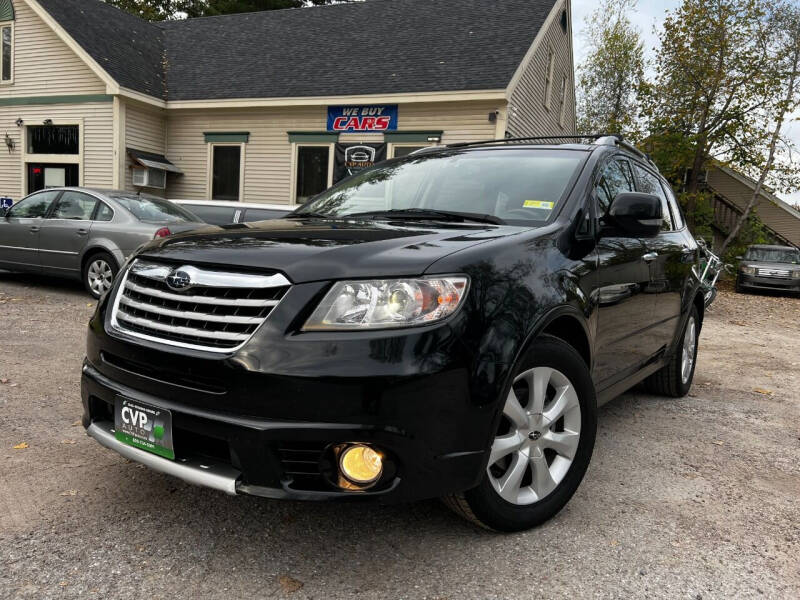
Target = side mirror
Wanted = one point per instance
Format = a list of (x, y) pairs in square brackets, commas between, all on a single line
[(637, 213)]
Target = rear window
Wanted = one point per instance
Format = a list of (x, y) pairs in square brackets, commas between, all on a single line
[(776, 255), (153, 210)]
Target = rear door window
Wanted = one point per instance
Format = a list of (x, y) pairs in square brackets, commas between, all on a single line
[(74, 206), (262, 214), (214, 215), (650, 184)]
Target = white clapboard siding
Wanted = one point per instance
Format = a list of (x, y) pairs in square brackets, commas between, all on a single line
[(43, 64), (145, 130), (97, 143), (268, 154), (528, 114)]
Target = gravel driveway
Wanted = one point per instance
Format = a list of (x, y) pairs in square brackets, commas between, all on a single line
[(694, 498)]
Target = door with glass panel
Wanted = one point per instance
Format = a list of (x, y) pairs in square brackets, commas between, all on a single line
[(313, 164), (65, 231)]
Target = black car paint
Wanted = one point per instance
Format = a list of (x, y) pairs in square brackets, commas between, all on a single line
[(429, 396)]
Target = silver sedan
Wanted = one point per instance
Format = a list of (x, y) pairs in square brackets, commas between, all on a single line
[(86, 233)]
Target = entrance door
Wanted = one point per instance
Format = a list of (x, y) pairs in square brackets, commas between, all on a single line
[(49, 175), (226, 172), (312, 171)]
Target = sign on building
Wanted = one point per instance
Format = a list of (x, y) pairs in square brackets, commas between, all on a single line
[(352, 158), (374, 118)]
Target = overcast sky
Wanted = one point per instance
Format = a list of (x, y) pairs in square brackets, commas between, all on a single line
[(649, 16)]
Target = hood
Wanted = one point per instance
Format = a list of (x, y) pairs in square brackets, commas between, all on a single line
[(316, 249)]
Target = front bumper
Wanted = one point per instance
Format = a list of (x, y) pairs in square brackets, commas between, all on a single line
[(784, 284), (426, 455)]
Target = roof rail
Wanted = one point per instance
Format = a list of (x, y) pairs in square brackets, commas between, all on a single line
[(587, 136)]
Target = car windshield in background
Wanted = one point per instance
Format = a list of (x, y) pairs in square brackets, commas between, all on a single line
[(153, 210), (775, 255), (508, 184)]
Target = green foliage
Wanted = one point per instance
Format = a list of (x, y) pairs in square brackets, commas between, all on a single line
[(703, 213), (159, 10), (610, 77), (753, 231), (151, 10)]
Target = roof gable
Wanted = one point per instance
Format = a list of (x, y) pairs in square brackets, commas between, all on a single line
[(363, 48)]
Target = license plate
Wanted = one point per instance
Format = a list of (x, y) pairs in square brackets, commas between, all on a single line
[(144, 426)]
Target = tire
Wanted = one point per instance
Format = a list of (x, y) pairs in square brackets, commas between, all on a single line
[(548, 477), (98, 273), (675, 378)]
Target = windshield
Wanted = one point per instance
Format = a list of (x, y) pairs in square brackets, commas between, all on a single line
[(776, 255), (154, 210), (510, 184)]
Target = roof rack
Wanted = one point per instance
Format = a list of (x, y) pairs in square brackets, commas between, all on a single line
[(599, 139), (588, 136)]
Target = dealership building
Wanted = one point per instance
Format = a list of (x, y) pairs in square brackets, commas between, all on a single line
[(271, 106)]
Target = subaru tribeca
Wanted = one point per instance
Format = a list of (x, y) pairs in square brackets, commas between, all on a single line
[(441, 325)]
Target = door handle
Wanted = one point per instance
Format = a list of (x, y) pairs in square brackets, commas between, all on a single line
[(650, 256), (35, 229), (82, 231)]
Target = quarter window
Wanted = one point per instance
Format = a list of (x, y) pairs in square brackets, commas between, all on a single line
[(616, 178), (7, 62), (33, 206), (104, 212), (650, 184)]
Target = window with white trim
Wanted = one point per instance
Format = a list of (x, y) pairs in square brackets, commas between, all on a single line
[(548, 81), (562, 103), (7, 52)]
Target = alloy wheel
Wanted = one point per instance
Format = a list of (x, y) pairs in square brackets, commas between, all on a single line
[(538, 436), (100, 276), (689, 350)]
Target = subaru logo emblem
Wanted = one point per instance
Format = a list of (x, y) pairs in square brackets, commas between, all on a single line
[(179, 280)]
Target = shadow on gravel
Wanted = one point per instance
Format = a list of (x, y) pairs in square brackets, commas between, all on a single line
[(47, 283)]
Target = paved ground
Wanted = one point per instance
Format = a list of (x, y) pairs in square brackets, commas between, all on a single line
[(696, 498)]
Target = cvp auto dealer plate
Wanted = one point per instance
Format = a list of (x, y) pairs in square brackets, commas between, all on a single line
[(143, 426)]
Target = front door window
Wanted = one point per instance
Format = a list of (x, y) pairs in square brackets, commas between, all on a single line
[(226, 172)]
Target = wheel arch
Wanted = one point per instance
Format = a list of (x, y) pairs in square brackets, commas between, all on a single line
[(98, 247)]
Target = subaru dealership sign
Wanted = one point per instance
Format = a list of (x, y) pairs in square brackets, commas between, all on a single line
[(373, 118)]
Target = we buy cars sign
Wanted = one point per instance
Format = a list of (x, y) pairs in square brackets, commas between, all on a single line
[(381, 117)]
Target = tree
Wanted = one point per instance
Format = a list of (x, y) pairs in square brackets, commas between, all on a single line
[(151, 10), (785, 71), (711, 81), (612, 73), (159, 10)]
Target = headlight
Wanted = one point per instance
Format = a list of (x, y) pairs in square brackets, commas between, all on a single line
[(749, 270), (385, 303)]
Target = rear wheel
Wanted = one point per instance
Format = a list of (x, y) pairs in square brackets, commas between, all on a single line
[(543, 443), (99, 271), (676, 377)]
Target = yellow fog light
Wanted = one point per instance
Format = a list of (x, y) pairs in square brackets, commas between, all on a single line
[(361, 464)]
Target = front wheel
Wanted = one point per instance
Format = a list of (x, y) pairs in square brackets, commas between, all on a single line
[(543, 443)]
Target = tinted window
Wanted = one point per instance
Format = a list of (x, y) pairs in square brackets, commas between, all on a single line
[(225, 175), (104, 212), (216, 215), (312, 171), (74, 205), (262, 214), (616, 178), (153, 210), (650, 184), (512, 184), (33, 206), (677, 215), (400, 151)]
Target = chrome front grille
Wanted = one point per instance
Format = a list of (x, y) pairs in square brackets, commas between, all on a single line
[(773, 272), (192, 307)]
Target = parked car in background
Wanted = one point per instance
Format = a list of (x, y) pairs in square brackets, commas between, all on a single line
[(219, 212), (443, 324), (86, 233), (769, 268)]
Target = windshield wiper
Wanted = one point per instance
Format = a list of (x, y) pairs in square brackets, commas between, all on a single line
[(427, 213), (309, 215)]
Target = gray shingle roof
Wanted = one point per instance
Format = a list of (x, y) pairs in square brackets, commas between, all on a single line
[(372, 47)]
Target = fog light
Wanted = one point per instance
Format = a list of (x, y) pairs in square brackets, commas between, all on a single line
[(361, 464)]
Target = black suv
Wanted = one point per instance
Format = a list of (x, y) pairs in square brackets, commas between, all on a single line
[(440, 325)]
